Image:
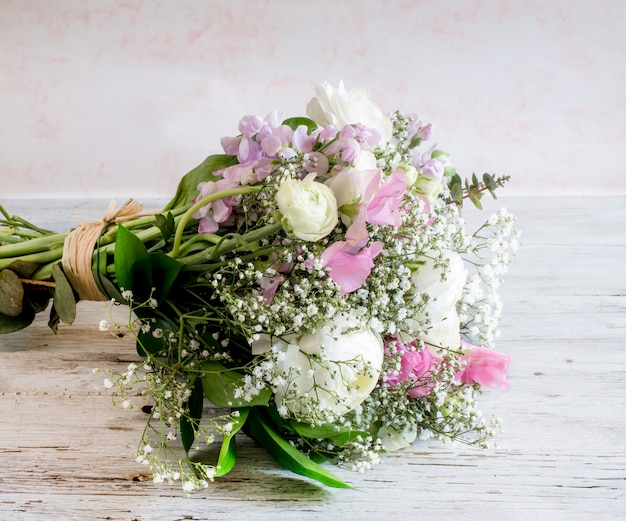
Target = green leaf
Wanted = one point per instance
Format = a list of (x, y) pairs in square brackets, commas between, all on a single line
[(294, 123), (132, 263), (39, 300), (164, 272), (188, 186), (53, 322), (107, 288), (449, 171), (219, 384), (415, 141), (189, 424), (491, 185), (12, 324), (475, 198), (64, 301), (166, 224), (329, 431), (228, 454), (147, 343), (11, 293), (456, 190), (24, 269), (286, 454)]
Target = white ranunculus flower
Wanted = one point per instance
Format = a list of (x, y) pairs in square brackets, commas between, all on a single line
[(428, 186), (393, 439), (308, 208), (444, 295), (330, 371), (341, 107)]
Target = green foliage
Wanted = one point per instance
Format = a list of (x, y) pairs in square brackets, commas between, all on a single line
[(220, 383), (265, 433), (11, 293), (294, 123), (227, 457), (16, 312), (11, 324), (164, 271), (339, 435), (140, 271), (64, 300), (473, 189), (189, 423), (188, 187), (132, 263), (23, 268), (166, 224)]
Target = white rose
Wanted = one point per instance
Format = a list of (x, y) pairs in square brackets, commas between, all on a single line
[(444, 295), (393, 439), (308, 208), (340, 107), (332, 370)]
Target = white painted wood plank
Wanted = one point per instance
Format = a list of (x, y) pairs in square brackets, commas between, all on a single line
[(67, 453)]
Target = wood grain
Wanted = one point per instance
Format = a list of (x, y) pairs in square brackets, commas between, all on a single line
[(67, 453)]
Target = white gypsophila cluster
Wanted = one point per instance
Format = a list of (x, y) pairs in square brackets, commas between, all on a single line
[(170, 392), (489, 251), (302, 303), (388, 293)]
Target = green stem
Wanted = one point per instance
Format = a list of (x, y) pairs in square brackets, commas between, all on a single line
[(31, 246), (231, 244), (182, 225)]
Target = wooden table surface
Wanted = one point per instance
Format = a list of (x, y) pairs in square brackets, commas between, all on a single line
[(67, 453)]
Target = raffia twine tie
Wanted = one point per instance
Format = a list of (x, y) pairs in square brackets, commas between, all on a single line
[(79, 245)]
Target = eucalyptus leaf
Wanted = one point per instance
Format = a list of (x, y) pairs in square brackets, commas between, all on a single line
[(24, 269), (64, 301), (475, 198), (12, 324), (11, 293), (54, 321)]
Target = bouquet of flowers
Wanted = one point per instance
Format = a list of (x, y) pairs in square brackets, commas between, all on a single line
[(315, 283)]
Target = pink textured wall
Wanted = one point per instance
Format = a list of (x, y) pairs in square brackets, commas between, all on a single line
[(120, 98)]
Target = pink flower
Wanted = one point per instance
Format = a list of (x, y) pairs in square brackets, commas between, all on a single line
[(213, 214), (415, 367), (384, 208), (484, 366), (259, 138), (269, 285), (350, 265)]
